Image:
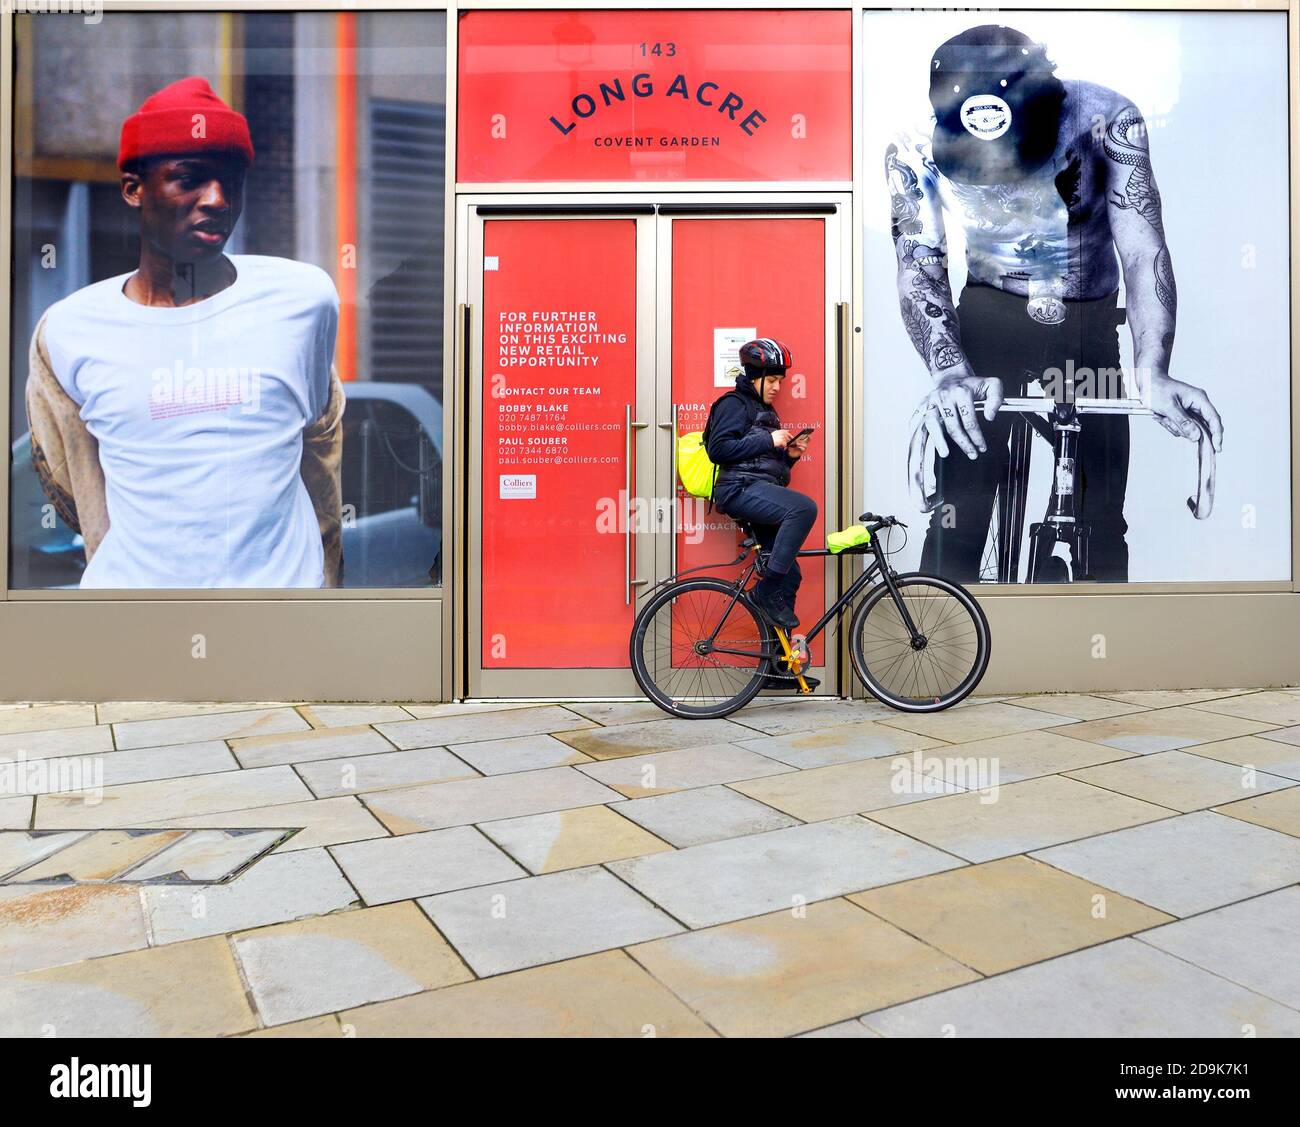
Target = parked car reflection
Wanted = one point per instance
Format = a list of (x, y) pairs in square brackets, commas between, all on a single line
[(392, 498)]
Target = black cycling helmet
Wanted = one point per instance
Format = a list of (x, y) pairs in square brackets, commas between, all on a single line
[(764, 357)]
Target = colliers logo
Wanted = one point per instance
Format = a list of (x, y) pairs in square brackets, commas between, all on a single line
[(102, 1081), (705, 94)]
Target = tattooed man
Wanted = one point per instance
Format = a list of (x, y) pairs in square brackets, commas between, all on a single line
[(1052, 185)]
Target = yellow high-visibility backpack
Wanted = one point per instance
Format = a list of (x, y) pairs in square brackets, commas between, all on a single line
[(696, 473), (694, 469)]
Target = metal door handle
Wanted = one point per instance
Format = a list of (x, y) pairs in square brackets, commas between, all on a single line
[(672, 489), (628, 427)]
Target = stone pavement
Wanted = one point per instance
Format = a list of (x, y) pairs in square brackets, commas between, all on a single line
[(1105, 864)]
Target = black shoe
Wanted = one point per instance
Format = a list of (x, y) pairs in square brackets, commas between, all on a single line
[(774, 607), (787, 681)]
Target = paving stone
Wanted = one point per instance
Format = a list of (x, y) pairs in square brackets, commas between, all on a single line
[(351, 715), (640, 776), (1278, 811), (131, 995), (846, 788), (966, 725), (20, 848), (16, 813), (332, 777), (82, 773), (1269, 752), (1184, 865), (1290, 735), (325, 821), (570, 839), (47, 927), (1120, 989), (401, 868), (617, 712), (655, 735), (462, 802), (1169, 698), (65, 741), (207, 856), (285, 886), (318, 1027), (46, 717), (97, 857), (1077, 706), (537, 920), (1025, 816), (693, 817), (316, 966), (436, 711), (118, 711), (1006, 914), (1166, 729), (1180, 780), (518, 753), (795, 715), (843, 743), (780, 974), (145, 804), (207, 726), (1252, 943), (750, 876), (303, 747), (466, 727), (1272, 708), (853, 1028), (1031, 755), (605, 995)]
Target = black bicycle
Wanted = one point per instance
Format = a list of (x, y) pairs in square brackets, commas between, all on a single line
[(701, 649)]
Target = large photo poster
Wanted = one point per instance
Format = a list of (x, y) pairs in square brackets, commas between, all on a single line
[(227, 300), (1077, 293)]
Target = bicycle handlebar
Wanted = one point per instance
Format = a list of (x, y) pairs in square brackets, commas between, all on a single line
[(918, 447), (875, 522)]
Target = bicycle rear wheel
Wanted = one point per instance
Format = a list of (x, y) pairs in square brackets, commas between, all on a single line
[(938, 668), (700, 651)]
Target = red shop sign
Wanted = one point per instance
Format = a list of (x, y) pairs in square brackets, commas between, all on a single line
[(654, 95)]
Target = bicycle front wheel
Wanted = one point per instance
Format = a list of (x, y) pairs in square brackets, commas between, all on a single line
[(700, 650), (933, 669)]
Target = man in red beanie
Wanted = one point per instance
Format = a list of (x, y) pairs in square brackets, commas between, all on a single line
[(186, 418)]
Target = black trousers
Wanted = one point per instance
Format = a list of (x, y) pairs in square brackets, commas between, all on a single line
[(1001, 340)]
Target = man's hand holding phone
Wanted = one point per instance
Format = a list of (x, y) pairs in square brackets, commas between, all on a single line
[(799, 443)]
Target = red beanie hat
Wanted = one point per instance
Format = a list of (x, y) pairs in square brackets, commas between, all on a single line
[(185, 117)]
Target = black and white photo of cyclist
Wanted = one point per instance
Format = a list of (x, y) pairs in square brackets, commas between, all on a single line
[(1029, 377)]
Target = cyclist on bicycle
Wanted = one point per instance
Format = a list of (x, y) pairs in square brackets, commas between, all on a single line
[(754, 455)]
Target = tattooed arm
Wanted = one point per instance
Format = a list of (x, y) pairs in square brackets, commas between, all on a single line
[(925, 301), (1137, 224)]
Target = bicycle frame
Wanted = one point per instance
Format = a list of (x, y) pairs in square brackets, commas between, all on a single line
[(866, 580)]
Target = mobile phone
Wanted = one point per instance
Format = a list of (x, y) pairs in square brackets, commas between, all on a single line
[(803, 433)]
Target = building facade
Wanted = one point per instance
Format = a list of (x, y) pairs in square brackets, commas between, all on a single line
[(1059, 237)]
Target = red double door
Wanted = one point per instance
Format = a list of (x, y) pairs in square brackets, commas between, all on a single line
[(600, 338)]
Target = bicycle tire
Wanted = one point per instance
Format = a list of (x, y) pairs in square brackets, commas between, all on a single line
[(931, 701), (649, 680)]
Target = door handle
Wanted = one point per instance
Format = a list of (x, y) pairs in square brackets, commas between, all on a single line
[(672, 489), (628, 428)]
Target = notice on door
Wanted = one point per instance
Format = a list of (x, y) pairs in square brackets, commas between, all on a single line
[(559, 367), (726, 354)]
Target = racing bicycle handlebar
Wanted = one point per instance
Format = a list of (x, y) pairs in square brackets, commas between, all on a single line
[(918, 462)]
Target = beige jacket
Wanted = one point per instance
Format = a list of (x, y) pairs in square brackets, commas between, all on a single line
[(66, 458)]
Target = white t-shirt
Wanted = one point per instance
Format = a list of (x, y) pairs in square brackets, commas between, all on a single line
[(199, 413)]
